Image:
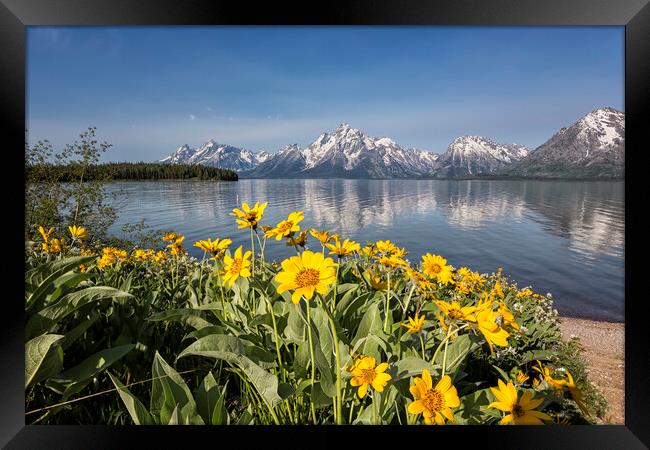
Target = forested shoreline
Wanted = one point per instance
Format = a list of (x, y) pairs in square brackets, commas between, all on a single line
[(131, 171)]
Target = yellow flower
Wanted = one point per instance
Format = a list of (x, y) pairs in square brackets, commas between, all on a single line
[(111, 255), (434, 403), (576, 394), (170, 237), (492, 332), (45, 234), (159, 256), (497, 290), (436, 267), (420, 280), (415, 324), (216, 248), (366, 373), (344, 248), (176, 247), (305, 274), (299, 240), (392, 261), (389, 249), (521, 411), (287, 227), (524, 293), (506, 317), (323, 236), (78, 233), (248, 217), (548, 377), (355, 360), (268, 231), (369, 250), (467, 281), (454, 311), (236, 267), (375, 280), (141, 255), (54, 246), (522, 377)]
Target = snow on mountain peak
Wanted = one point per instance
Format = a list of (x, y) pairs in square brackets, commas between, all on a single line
[(214, 154), (605, 126)]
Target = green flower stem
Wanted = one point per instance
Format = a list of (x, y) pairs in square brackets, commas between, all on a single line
[(336, 283), (253, 256), (422, 345), (313, 364), (259, 243), (375, 414), (277, 337), (223, 299), (201, 272), (406, 304), (387, 305), (339, 397), (449, 335), (444, 356)]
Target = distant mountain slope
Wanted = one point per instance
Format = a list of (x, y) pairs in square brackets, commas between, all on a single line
[(349, 153), (217, 155), (593, 147), (473, 155)]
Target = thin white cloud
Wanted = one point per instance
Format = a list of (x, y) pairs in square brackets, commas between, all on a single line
[(192, 117)]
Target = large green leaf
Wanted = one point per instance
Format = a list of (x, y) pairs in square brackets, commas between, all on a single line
[(371, 325), (73, 380), (231, 349), (457, 351), (43, 358), (168, 391), (136, 409), (409, 367), (66, 283), (473, 408), (210, 401), (296, 330), (39, 282), (44, 319)]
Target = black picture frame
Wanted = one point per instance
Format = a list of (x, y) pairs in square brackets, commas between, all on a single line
[(16, 15)]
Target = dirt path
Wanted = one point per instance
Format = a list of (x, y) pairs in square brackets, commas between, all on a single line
[(604, 352)]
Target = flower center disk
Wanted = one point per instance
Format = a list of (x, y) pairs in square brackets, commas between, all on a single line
[(368, 375), (307, 277), (433, 400), (235, 268)]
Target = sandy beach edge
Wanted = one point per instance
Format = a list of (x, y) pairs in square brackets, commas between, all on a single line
[(604, 345)]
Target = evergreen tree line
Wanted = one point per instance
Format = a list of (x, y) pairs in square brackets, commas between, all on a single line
[(131, 171)]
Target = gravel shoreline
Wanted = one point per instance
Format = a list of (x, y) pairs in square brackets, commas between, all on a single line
[(604, 344)]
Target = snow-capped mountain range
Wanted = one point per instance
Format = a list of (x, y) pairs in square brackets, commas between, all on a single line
[(472, 155), (594, 146), (595, 141), (217, 155), (347, 152)]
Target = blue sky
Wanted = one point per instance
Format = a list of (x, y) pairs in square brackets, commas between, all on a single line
[(150, 89)]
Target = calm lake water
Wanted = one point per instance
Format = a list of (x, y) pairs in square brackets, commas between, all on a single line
[(562, 237)]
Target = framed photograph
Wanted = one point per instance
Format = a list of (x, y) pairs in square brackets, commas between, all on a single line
[(401, 217)]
